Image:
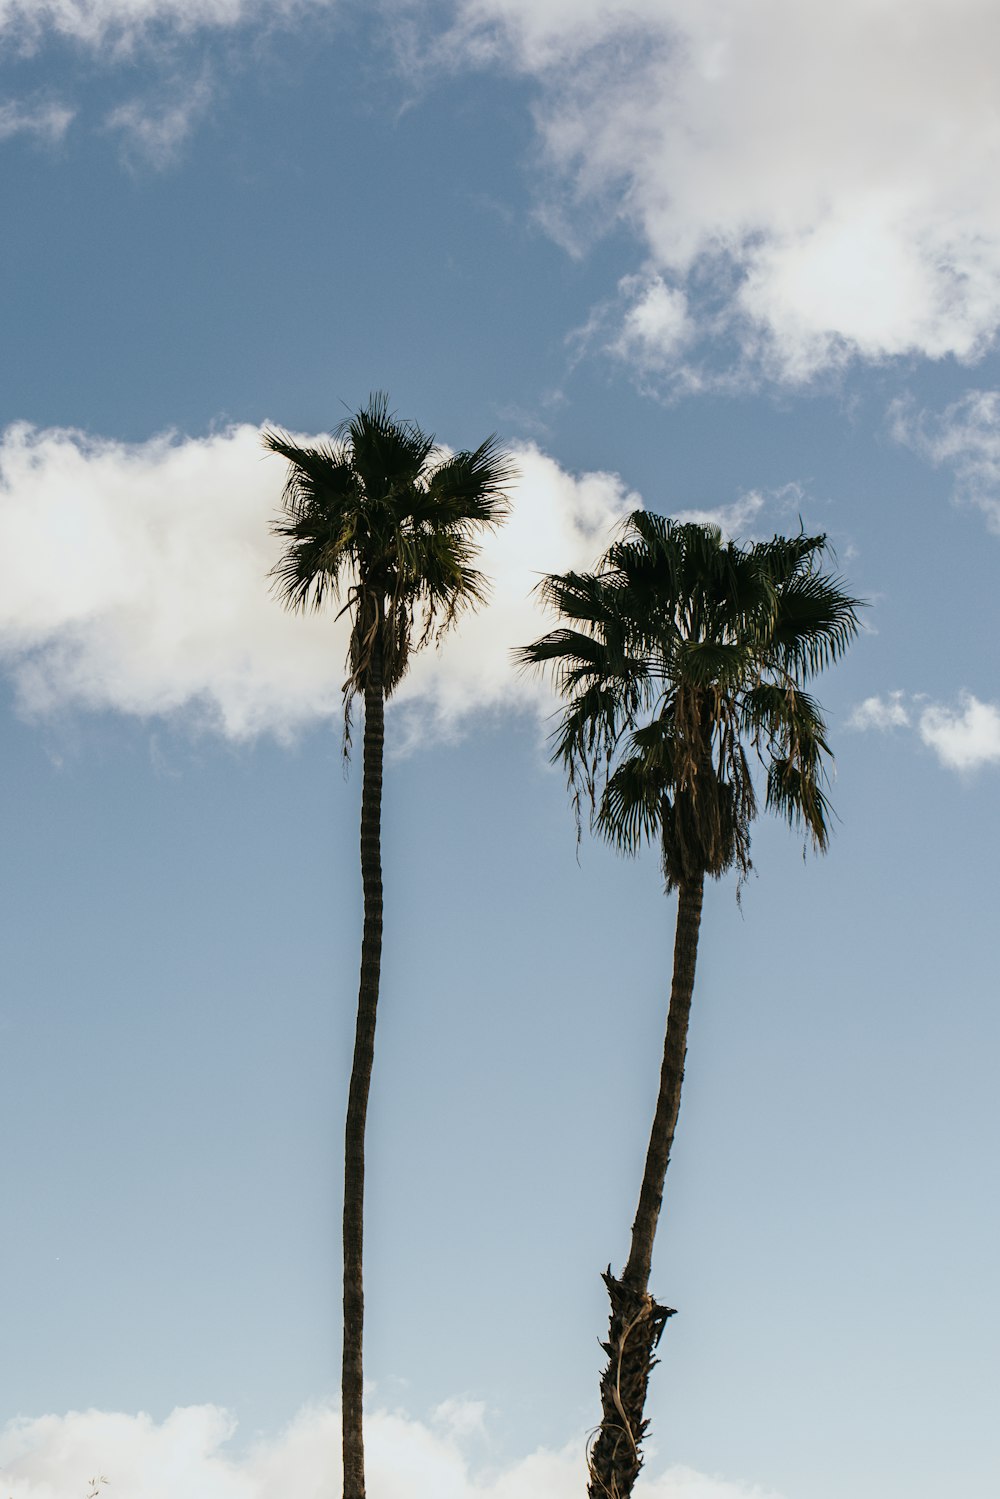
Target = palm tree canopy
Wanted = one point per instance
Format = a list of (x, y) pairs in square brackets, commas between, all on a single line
[(682, 659), (378, 517)]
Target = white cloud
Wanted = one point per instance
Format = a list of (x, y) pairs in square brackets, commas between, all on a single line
[(733, 520), (134, 577), (461, 1418), (963, 738), (655, 327), (53, 1457), (808, 176), (881, 713), (49, 122), (964, 437)]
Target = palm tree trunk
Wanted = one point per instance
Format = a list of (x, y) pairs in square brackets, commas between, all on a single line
[(352, 1383), (637, 1321)]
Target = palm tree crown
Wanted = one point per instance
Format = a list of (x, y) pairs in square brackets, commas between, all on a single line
[(682, 661), (378, 517)]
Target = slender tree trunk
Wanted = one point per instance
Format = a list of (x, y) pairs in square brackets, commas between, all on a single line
[(637, 1321), (352, 1384)]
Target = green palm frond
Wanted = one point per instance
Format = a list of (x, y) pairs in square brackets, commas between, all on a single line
[(707, 663), (816, 622), (470, 487), (630, 810), (795, 792)]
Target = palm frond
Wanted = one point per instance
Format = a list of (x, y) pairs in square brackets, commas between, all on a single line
[(471, 487), (796, 794), (816, 622), (630, 809)]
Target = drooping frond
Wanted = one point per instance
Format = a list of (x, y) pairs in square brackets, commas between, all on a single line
[(630, 810)]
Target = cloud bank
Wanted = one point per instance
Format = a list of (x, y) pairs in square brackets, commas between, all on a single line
[(133, 577), (964, 738), (65, 1457), (806, 179)]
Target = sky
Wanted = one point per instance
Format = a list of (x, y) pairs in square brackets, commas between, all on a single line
[(723, 261)]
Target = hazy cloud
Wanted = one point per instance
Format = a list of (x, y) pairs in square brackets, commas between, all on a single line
[(125, 22), (735, 520), (48, 122), (964, 437), (54, 1456), (134, 577), (153, 129), (806, 179)]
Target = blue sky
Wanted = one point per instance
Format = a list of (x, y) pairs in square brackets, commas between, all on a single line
[(714, 259)]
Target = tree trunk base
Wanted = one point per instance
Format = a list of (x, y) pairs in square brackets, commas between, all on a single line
[(637, 1323)]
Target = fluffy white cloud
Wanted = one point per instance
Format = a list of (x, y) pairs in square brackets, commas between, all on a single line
[(64, 1457), (966, 438), (807, 179), (963, 738), (134, 577), (655, 326), (881, 713)]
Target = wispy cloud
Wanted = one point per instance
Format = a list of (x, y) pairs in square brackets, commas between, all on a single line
[(965, 737), (806, 180), (965, 437), (737, 519), (125, 23), (48, 122), (153, 129), (153, 598), (406, 1459)]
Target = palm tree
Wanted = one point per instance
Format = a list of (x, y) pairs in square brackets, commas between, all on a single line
[(378, 518), (682, 660)]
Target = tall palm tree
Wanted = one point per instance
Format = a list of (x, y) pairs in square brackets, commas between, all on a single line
[(378, 518), (682, 660)]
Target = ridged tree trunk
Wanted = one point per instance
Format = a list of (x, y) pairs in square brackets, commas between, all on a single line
[(352, 1383), (637, 1321)]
